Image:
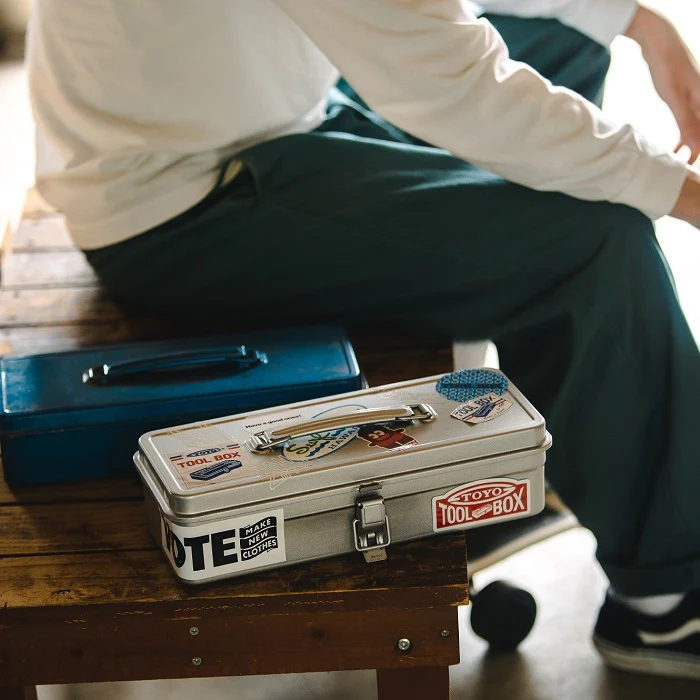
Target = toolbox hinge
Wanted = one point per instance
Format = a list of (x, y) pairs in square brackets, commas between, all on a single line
[(371, 527)]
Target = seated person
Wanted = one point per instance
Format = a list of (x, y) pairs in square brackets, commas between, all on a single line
[(462, 182)]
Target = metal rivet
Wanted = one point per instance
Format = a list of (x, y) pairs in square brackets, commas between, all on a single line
[(194, 631), (197, 661), (404, 645), (445, 633)]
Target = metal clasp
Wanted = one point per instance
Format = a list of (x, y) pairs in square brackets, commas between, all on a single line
[(371, 527)]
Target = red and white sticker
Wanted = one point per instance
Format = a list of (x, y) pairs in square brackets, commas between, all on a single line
[(481, 501)]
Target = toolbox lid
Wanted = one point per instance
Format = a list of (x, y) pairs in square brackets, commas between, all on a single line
[(179, 378), (343, 441)]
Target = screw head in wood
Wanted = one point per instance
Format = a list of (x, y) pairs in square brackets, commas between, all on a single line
[(197, 661), (404, 645), (194, 631), (445, 633)]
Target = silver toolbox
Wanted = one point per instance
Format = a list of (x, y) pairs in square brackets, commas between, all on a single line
[(356, 471)]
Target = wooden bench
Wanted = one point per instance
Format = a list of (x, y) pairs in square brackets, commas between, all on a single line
[(87, 596)]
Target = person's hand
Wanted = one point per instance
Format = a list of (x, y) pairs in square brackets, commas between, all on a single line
[(674, 70)]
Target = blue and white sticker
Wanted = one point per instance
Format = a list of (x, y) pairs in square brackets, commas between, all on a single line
[(467, 384), (223, 462), (482, 409), (324, 442)]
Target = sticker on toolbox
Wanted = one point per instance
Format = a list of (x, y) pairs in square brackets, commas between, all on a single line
[(321, 443), (386, 437), (226, 546), (283, 470), (481, 501), (211, 464), (468, 384), (274, 422), (482, 409)]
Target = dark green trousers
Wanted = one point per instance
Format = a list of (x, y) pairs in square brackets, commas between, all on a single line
[(358, 222)]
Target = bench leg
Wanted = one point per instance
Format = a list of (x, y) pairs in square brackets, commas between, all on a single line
[(413, 683), (17, 692)]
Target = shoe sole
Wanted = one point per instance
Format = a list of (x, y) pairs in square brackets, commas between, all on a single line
[(651, 661)]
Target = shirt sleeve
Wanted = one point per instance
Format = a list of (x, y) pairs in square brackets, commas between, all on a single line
[(601, 20), (434, 70)]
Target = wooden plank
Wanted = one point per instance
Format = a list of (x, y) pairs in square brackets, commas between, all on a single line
[(41, 339), (73, 527), (377, 338), (19, 340), (36, 307), (101, 646), (17, 692), (35, 269), (433, 568), (413, 683), (386, 366), (49, 231), (127, 488), (83, 309)]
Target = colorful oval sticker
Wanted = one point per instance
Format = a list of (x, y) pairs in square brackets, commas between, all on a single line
[(467, 384), (322, 443)]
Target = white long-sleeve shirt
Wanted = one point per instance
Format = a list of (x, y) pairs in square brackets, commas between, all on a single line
[(138, 104)]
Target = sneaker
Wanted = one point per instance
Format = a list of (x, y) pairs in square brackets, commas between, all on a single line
[(663, 645)]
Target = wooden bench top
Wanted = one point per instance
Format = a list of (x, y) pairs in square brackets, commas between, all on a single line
[(85, 593)]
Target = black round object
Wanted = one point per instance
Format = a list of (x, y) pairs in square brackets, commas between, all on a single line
[(503, 615)]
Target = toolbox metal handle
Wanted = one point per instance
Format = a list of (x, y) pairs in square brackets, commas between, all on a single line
[(266, 440), (240, 357)]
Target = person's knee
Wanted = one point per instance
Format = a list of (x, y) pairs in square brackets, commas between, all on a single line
[(616, 252), (602, 233), (628, 219), (618, 225), (631, 267)]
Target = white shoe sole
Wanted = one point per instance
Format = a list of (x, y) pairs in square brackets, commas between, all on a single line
[(651, 661)]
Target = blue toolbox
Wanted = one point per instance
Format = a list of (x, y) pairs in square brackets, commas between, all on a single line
[(78, 415)]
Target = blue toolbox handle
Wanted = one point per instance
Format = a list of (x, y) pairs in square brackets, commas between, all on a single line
[(240, 357)]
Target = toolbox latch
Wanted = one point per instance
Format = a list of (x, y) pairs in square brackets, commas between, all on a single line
[(371, 528)]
